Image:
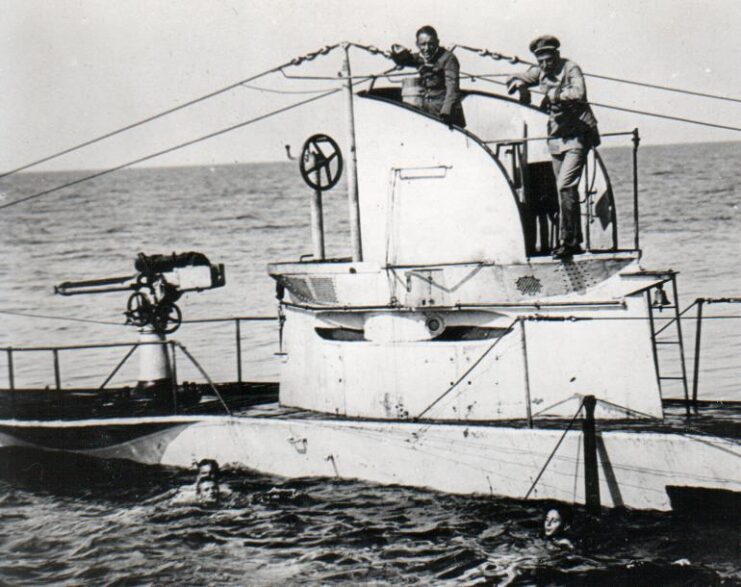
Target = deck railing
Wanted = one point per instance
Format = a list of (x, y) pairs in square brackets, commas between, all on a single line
[(56, 350), (518, 145)]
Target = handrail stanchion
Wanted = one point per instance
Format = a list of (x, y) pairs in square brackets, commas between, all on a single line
[(636, 236), (238, 335), (588, 202), (58, 383), (174, 375), (11, 378), (57, 376), (698, 335), (11, 374)]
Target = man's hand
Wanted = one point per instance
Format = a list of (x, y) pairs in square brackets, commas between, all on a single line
[(517, 85), (514, 84), (396, 48)]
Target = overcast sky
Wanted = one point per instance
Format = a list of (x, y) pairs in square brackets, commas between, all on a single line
[(74, 69)]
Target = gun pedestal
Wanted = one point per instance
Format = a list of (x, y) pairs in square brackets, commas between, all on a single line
[(159, 282), (155, 371)]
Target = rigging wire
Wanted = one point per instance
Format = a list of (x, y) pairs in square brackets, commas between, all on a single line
[(634, 111), (514, 59), (272, 318), (468, 371), (555, 448), (287, 92), (375, 51), (168, 150), (293, 62), (665, 88), (391, 73), (64, 318), (667, 117)]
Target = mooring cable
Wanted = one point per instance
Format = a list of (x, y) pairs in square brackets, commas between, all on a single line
[(293, 62), (169, 149)]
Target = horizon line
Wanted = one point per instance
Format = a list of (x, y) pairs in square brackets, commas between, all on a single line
[(277, 161)]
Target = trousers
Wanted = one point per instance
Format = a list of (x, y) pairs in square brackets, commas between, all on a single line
[(567, 167)]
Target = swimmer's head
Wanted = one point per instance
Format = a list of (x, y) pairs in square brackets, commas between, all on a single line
[(553, 523), (207, 491), (208, 469), (557, 519)]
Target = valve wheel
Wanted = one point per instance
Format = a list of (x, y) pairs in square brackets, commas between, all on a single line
[(321, 162), (138, 310), (167, 318)]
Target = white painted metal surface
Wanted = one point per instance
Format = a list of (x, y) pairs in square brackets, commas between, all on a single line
[(400, 371), (499, 119), (429, 194), (541, 280), (154, 361), (635, 468)]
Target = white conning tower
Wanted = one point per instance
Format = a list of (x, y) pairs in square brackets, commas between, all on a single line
[(445, 275), (429, 194)]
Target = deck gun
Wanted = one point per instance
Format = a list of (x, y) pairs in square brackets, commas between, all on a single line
[(158, 283)]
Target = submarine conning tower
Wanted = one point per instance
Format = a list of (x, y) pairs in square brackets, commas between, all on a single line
[(453, 308)]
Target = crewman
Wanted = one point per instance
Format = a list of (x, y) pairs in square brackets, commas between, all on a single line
[(439, 74), (207, 489), (572, 130)]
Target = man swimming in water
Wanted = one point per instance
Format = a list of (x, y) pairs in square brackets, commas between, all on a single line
[(556, 522), (207, 489)]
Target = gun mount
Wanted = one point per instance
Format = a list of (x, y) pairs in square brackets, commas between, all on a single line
[(159, 281)]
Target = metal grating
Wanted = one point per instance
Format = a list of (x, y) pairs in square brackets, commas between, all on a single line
[(324, 290), (299, 288)]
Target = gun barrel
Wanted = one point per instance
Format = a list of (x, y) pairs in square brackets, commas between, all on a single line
[(90, 286)]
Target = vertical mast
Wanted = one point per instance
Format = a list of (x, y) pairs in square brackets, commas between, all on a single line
[(352, 168)]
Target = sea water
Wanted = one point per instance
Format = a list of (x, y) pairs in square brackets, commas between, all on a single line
[(73, 520)]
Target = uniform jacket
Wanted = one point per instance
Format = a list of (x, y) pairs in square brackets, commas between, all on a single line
[(439, 82), (570, 116)]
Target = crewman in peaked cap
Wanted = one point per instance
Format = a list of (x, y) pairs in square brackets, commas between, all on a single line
[(572, 129)]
